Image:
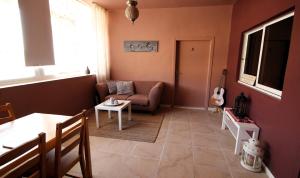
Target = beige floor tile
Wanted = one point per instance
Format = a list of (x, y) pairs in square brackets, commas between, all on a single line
[(122, 147), (175, 169), (175, 152), (140, 167), (105, 164), (211, 172), (161, 138), (226, 142), (248, 174), (200, 128), (179, 137), (179, 126), (148, 150), (209, 157), (204, 140), (190, 144), (180, 119)]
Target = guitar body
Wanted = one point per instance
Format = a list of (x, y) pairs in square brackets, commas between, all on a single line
[(217, 98)]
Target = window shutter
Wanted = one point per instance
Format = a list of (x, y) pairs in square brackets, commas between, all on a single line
[(36, 25)]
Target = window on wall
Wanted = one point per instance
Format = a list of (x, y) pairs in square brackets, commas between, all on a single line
[(265, 55), (12, 60), (73, 35)]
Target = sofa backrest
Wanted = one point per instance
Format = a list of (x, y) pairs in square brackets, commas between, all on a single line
[(143, 87)]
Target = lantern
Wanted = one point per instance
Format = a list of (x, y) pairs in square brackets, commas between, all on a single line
[(252, 154), (240, 108), (131, 12)]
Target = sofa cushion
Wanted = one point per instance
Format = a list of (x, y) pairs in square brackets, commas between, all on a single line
[(143, 87), (139, 99), (125, 88), (118, 97), (112, 86)]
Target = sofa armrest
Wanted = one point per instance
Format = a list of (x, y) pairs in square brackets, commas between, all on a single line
[(102, 90), (155, 95)]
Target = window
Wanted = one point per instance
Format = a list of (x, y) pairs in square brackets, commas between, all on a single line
[(265, 54), (12, 60), (73, 35)]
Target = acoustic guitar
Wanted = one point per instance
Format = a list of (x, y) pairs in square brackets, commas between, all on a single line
[(217, 98)]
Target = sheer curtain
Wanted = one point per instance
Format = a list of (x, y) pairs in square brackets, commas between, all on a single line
[(102, 45), (73, 35)]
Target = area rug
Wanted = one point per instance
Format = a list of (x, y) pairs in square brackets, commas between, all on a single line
[(143, 127)]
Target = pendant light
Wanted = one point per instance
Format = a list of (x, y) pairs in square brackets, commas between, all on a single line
[(131, 11)]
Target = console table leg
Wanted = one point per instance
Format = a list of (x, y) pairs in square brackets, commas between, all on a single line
[(255, 134), (223, 122), (238, 143)]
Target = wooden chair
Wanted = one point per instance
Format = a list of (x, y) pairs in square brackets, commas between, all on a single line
[(27, 159), (69, 136), (6, 110)]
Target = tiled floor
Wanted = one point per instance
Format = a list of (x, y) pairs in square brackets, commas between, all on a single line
[(190, 144)]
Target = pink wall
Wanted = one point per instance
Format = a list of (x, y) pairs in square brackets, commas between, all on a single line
[(166, 25), (279, 120)]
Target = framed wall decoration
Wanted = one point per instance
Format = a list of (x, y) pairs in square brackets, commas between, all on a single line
[(141, 46)]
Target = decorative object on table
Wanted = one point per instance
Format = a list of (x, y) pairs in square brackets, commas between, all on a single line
[(112, 102), (141, 46), (237, 119), (131, 11), (240, 108), (87, 70), (217, 99), (252, 154)]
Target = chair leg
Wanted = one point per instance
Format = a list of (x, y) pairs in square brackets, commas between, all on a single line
[(82, 166)]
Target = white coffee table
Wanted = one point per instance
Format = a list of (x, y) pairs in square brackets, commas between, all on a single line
[(119, 108)]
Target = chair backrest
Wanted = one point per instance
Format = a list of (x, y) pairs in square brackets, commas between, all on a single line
[(8, 112), (30, 156), (69, 135)]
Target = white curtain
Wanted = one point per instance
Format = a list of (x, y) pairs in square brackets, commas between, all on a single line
[(102, 45)]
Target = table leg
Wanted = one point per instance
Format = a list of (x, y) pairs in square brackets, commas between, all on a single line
[(97, 117), (129, 111), (109, 114), (120, 119)]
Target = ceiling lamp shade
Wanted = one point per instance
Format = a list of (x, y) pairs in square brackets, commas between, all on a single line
[(131, 11)]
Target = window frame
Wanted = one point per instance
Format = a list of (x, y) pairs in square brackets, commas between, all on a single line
[(257, 86)]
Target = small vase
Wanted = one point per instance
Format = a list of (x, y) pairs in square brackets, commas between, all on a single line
[(87, 71)]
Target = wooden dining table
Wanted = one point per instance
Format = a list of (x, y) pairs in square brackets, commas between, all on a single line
[(14, 133)]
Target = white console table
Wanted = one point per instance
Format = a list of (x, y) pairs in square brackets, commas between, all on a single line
[(240, 130)]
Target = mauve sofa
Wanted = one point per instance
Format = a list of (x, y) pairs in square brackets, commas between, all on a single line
[(146, 95)]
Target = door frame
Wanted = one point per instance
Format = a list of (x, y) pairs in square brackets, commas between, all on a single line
[(211, 41)]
